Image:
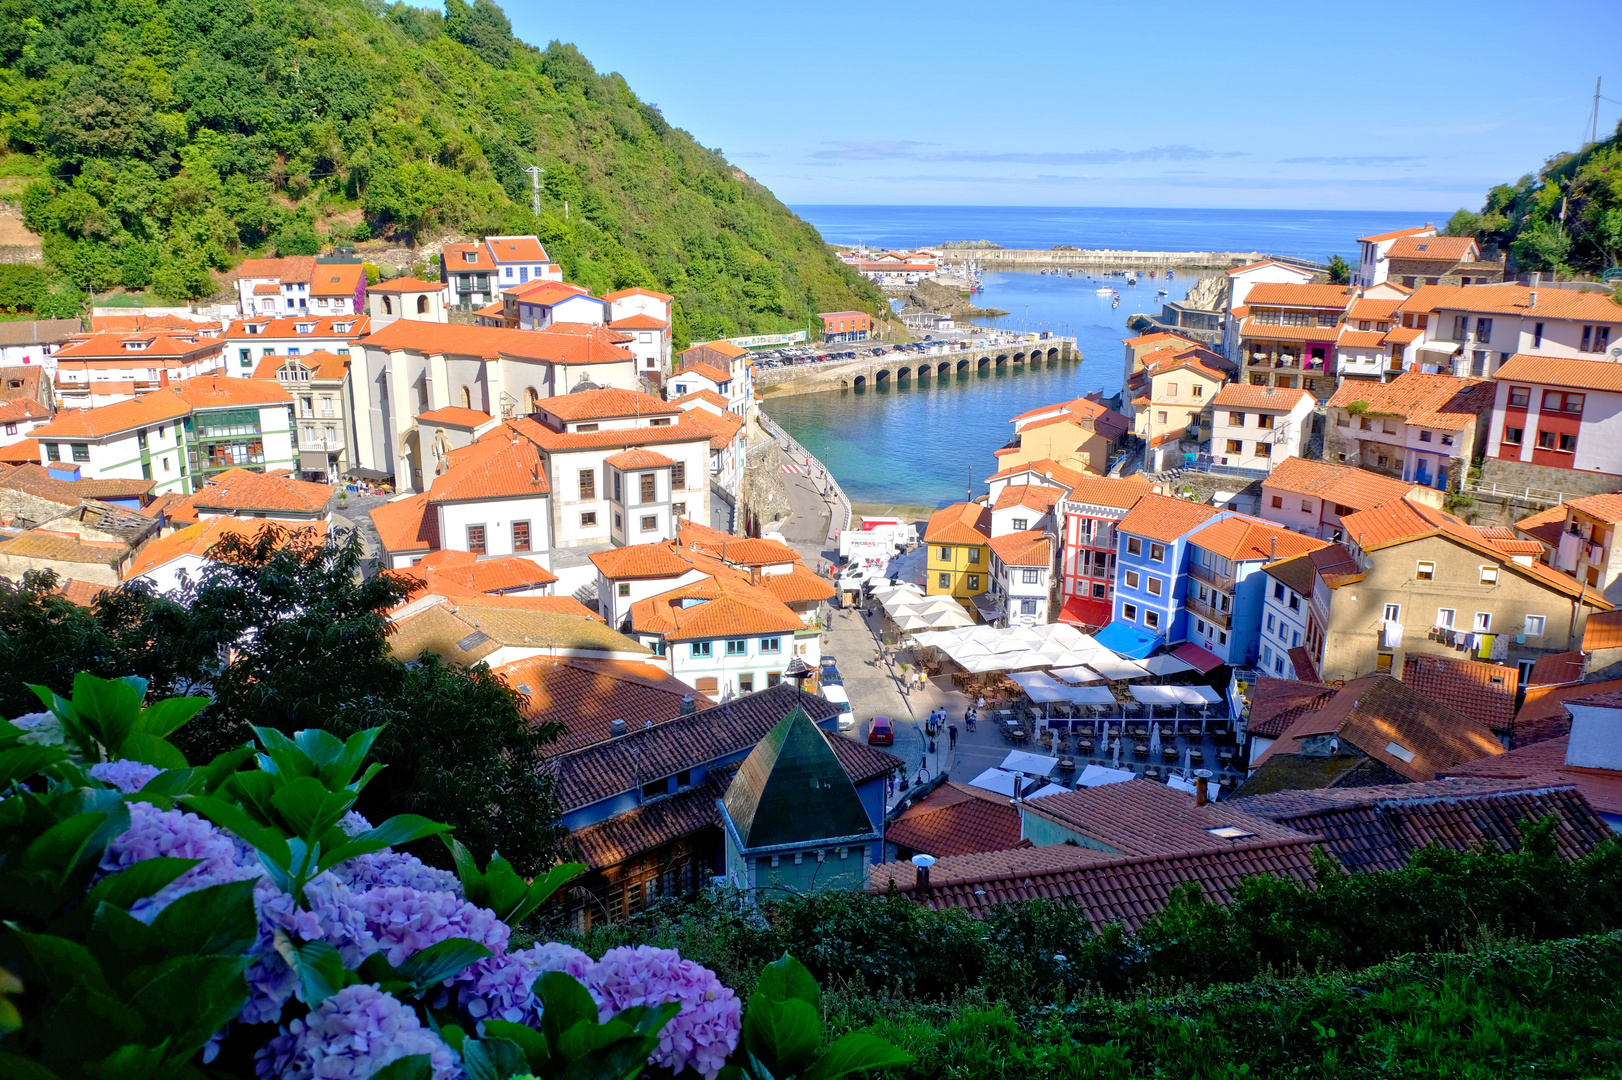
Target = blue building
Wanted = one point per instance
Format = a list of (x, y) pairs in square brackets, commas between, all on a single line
[(1227, 590), (1151, 573)]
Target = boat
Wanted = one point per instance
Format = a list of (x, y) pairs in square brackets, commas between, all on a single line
[(1115, 303), (1104, 289), (1161, 292)]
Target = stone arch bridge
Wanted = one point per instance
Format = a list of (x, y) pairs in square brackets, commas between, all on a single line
[(898, 368)]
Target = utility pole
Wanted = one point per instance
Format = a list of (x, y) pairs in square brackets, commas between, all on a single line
[(1593, 135), (535, 172)]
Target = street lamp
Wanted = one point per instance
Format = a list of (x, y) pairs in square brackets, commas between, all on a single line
[(799, 671)]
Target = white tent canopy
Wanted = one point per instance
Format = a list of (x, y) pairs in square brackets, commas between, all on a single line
[(1117, 670), (1003, 783), (1099, 775), (1021, 761), (1077, 675), (1049, 789), (1174, 695), (1166, 665)]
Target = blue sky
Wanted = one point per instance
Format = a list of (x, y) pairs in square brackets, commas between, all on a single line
[(1297, 105)]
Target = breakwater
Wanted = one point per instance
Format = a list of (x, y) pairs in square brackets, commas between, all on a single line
[(1097, 259), (907, 367)]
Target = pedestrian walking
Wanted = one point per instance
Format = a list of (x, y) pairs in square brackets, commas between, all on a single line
[(951, 732)]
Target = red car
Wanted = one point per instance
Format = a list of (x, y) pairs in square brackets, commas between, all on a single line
[(881, 732)]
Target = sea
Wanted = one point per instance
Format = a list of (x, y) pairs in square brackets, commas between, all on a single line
[(931, 445)]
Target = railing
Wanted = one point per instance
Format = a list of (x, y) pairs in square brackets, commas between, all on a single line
[(1206, 611), (840, 519), (1202, 573), (1218, 469), (1542, 496)]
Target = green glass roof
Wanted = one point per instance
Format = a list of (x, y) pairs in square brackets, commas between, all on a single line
[(791, 789)]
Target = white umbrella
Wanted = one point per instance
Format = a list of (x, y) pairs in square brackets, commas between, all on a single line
[(912, 622), (954, 616)]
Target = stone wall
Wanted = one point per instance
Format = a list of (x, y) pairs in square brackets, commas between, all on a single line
[(763, 493)]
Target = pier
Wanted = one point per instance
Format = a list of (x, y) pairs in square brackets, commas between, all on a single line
[(909, 367), (1095, 259)]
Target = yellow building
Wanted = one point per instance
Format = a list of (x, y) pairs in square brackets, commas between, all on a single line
[(959, 539)]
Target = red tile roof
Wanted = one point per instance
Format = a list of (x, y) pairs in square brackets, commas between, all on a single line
[(1381, 237), (956, 819), (560, 343), (1484, 692), (638, 458), (218, 392), (239, 490), (727, 606), (1245, 539), (405, 285), (1245, 396), (1269, 262), (586, 696), (704, 371), (1143, 817), (1602, 788), (1606, 508), (1275, 704), (1163, 518), (960, 523), (1435, 401), (406, 525), (499, 467), (608, 403), (1604, 375), (1031, 495), (154, 408), (462, 574), (456, 416), (1557, 669), (620, 294), (1432, 248), (725, 348), (1291, 294), (200, 539), (1603, 630), (639, 322), (737, 550), (515, 249)]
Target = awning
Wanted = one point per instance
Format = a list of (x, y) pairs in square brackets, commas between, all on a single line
[(1175, 695), (1203, 659), (358, 473), (1022, 761), (988, 608), (1081, 611), (1003, 783), (1127, 640), (1099, 775), (1445, 348)]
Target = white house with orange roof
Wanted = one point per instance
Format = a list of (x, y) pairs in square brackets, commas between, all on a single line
[(171, 561), (723, 357), (1177, 406), (249, 340), (275, 287), (1311, 497), (139, 438), (475, 273), (406, 298), (539, 304), (1372, 267), (1083, 433), (318, 383), (1241, 279), (447, 430), (1287, 337), (104, 367), (645, 316), (1475, 329), (1372, 343), (237, 422), (708, 410), (243, 493), (1021, 579), (1256, 427), (18, 419)]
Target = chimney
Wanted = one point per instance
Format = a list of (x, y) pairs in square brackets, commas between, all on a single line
[(616, 729), (1202, 778), (923, 863), (688, 705), (1532, 299)]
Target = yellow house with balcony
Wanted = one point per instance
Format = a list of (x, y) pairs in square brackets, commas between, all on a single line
[(959, 539)]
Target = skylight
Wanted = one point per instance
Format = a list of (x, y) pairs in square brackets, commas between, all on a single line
[(1230, 832), (1402, 753)]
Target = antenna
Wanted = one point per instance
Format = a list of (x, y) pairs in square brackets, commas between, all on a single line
[(1593, 135), (535, 172)]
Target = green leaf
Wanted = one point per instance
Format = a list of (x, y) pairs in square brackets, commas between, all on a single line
[(16, 1067), (322, 747), (354, 752), (466, 868), (108, 708), (220, 769), (854, 1053), (309, 808), (476, 1063), (67, 843), (583, 1039), (542, 890), (216, 921), (414, 1067), (564, 1003), (622, 1061), (65, 963), (784, 1034), (526, 1038), (138, 882), (26, 761), (404, 828), (151, 750), (191, 997), (162, 718), (507, 1056), (266, 841), (321, 971), (440, 961), (787, 978)]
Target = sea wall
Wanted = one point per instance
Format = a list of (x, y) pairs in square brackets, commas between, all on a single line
[(902, 367), (1100, 259)]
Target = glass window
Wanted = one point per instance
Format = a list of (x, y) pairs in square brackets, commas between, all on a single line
[(1134, 546), (1393, 613), (737, 647), (944, 581), (475, 539), (624, 588), (588, 483), (974, 555), (1483, 622), (1513, 436), (1151, 619), (945, 554), (520, 536), (1157, 552), (649, 487), (771, 645), (1519, 397), (588, 520), (650, 523), (1031, 577), (1489, 575), (678, 476), (1533, 627), (1155, 586), (1444, 617), (1131, 579), (1129, 612), (81, 451), (974, 582), (703, 649), (1426, 571)]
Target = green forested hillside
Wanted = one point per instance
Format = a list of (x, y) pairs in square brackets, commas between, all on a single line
[(166, 139), (1567, 218)]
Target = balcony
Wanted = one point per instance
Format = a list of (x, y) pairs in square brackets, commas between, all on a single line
[(1209, 613), (1214, 578)]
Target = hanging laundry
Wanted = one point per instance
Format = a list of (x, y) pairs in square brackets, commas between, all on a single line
[(1500, 648), (1393, 634), (1469, 643), (1484, 648)]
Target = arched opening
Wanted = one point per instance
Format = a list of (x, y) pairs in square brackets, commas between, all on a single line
[(388, 305), (904, 374), (859, 382), (984, 362), (1019, 358), (532, 400), (882, 375), (1053, 356), (467, 398), (946, 366), (1002, 361), (422, 305)]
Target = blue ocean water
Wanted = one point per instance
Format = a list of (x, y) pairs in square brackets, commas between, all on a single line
[(1307, 234)]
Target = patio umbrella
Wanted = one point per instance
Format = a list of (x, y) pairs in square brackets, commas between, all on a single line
[(953, 616), (1154, 739), (912, 622)]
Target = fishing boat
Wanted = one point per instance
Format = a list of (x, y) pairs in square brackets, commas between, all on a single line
[(1162, 292), (1105, 290)]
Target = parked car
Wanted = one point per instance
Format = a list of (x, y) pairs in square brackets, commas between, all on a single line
[(880, 732), (835, 694), (830, 672)]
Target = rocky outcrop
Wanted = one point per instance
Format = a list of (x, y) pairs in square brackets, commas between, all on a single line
[(929, 295), (763, 493)]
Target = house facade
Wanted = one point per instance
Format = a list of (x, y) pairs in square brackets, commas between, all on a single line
[(959, 558), (1418, 428), (1151, 570), (1372, 265), (1312, 497), (143, 438), (1557, 424), (843, 326), (1257, 427), (1287, 338), (1021, 577)]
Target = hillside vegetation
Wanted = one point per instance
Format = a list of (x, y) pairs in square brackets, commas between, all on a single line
[(1565, 219), (166, 140)]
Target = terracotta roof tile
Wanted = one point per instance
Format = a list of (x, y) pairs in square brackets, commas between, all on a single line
[(289, 268), (802, 585), (1268, 262), (456, 416), (1432, 248), (1593, 306), (1245, 396), (737, 550), (956, 819), (1275, 704), (1606, 508), (609, 403), (506, 469), (586, 696), (200, 539), (1034, 496), (1602, 788), (1360, 339), (1604, 375), (1143, 817), (1373, 308), (1603, 630), (406, 525), (154, 408), (1381, 237), (654, 824), (1245, 539), (704, 371), (725, 348), (621, 294), (638, 458), (462, 574), (1290, 294), (405, 285), (505, 249), (727, 606), (237, 490), (1029, 547), (83, 593), (1484, 692), (1251, 330), (639, 322), (560, 343), (1163, 518), (1435, 401), (1557, 669), (63, 547), (960, 523), (218, 391)]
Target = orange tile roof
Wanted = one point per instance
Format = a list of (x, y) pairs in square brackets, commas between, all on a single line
[(1269, 262), (1557, 669), (586, 696), (1603, 375), (406, 525), (1373, 308), (110, 348), (1603, 631), (1159, 335), (704, 371), (722, 427), (639, 321), (727, 606), (22, 409), (1031, 495), (738, 550), (63, 547), (560, 343), (960, 523), (1342, 484), (638, 458), (1484, 692), (500, 467), (200, 539), (1517, 300), (1432, 248), (337, 279), (1402, 335), (218, 391), (456, 416), (83, 593), (609, 403), (1118, 492), (548, 292), (19, 452), (1244, 539), (802, 585), (154, 408), (702, 395), (695, 426), (1434, 401), (642, 561), (1397, 521), (1544, 526), (1163, 518), (1360, 339), (515, 249), (323, 365), (405, 285), (463, 574), (1028, 547), (1252, 330), (1398, 234), (130, 324), (1606, 508), (244, 489), (289, 268), (1290, 294), (1245, 396), (956, 819), (620, 294), (725, 348)]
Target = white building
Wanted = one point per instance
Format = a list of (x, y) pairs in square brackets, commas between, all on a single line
[(140, 438), (18, 419), (248, 341), (709, 411), (1021, 577), (1472, 330), (1241, 279), (108, 367), (302, 285), (476, 273), (644, 316), (406, 298), (171, 561), (539, 304), (1371, 267), (1256, 427), (1286, 609)]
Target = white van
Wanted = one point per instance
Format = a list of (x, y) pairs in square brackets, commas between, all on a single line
[(837, 695)]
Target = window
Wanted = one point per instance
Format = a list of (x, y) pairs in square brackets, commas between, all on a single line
[(1382, 663), (1483, 623), (1100, 590), (1295, 602), (1537, 336), (1533, 626), (1131, 579), (1236, 446), (624, 589), (773, 678), (1278, 502), (945, 581), (746, 684), (1161, 417), (703, 650), (1513, 436), (1236, 419), (1151, 619), (1129, 612), (1171, 389), (1426, 571), (1019, 524), (678, 476), (1568, 443), (1197, 390), (737, 647), (771, 645), (678, 510), (588, 483), (974, 582), (1278, 591), (650, 523), (81, 451), (974, 555), (1030, 577), (1483, 329), (1342, 420), (617, 485), (1444, 617), (475, 539), (1519, 397), (1574, 403), (1264, 422), (588, 520), (945, 554), (1157, 552), (520, 536), (1546, 440), (1271, 622), (1156, 586), (1134, 546), (1264, 450), (1393, 613), (1489, 575), (655, 787), (1424, 436), (649, 487)]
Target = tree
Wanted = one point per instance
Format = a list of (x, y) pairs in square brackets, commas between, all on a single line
[(1339, 272)]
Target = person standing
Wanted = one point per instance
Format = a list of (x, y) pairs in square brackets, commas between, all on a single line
[(951, 732)]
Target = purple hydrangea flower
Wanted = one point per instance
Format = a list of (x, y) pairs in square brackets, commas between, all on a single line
[(154, 833), (125, 775), (406, 920), (350, 1036), (353, 824), (706, 1029), (333, 917), (502, 987), (389, 867), (41, 729)]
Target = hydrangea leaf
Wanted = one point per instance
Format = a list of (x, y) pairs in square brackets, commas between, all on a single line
[(411, 1067), (440, 961), (137, 882), (784, 1035), (151, 750), (854, 1053), (565, 1003)]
